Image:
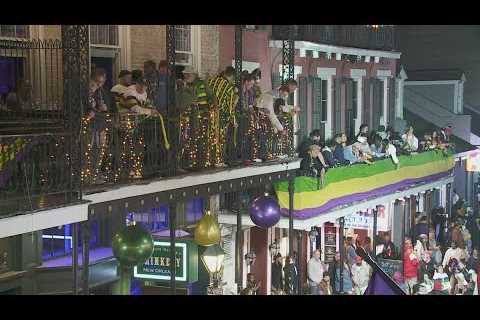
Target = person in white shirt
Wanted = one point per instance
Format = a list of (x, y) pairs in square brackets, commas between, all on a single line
[(391, 151), (360, 275), (453, 252), (409, 140), (315, 269)]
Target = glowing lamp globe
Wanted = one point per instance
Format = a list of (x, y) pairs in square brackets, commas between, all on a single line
[(132, 246), (207, 231), (265, 212)]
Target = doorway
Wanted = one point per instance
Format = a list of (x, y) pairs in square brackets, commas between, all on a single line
[(107, 64)]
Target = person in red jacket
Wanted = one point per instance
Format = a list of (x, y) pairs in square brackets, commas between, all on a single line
[(410, 266)]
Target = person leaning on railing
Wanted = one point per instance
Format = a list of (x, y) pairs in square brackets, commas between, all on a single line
[(314, 165), (133, 103)]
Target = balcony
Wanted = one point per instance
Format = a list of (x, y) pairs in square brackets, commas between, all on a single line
[(345, 186), (356, 36)]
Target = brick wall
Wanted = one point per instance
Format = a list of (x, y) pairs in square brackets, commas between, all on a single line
[(147, 42)]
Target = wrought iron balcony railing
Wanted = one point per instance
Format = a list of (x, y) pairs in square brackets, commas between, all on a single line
[(379, 37)]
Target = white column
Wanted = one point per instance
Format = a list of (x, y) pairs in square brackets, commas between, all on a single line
[(385, 101), (270, 232)]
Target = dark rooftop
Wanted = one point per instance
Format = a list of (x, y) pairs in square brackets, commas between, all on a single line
[(434, 74)]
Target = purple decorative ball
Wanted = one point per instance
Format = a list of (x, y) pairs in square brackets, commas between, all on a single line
[(265, 212)]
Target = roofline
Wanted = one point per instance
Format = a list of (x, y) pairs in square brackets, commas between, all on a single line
[(307, 45)]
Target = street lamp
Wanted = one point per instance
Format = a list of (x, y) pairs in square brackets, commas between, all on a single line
[(213, 258)]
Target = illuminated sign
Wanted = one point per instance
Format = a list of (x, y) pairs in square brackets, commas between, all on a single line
[(157, 267)]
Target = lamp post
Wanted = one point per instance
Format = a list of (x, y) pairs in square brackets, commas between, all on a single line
[(213, 258)]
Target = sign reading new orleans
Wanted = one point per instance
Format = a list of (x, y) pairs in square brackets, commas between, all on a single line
[(157, 267)]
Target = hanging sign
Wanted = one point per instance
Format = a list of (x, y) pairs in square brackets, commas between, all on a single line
[(157, 267), (364, 220), (473, 162)]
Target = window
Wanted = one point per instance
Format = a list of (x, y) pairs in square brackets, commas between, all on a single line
[(183, 45), (104, 35), (355, 98), (324, 99), (319, 110), (14, 31)]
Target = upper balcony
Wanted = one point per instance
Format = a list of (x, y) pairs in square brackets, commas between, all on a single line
[(373, 37)]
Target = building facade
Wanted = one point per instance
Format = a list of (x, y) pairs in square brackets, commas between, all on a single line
[(346, 76)]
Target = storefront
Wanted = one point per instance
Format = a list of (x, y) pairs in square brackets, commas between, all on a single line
[(153, 277)]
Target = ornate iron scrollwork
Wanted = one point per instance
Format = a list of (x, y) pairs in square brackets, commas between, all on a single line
[(76, 72)]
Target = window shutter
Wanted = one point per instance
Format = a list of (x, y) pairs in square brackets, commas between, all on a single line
[(302, 101), (316, 103), (377, 103), (337, 113), (391, 100), (349, 123), (366, 102)]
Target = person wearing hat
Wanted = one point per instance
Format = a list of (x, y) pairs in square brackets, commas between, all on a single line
[(197, 121), (360, 276)]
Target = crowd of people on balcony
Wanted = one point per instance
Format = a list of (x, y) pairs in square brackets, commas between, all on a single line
[(215, 129), (367, 147)]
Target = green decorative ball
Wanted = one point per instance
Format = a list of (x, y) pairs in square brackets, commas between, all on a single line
[(132, 246)]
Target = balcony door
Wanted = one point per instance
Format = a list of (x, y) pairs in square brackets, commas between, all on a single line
[(105, 51)]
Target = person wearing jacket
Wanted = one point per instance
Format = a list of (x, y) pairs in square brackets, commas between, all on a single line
[(313, 139), (291, 276), (410, 266), (277, 275), (338, 153)]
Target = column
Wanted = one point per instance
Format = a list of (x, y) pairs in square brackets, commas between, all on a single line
[(341, 248), (75, 257), (86, 256), (291, 188), (238, 249), (172, 208), (173, 135)]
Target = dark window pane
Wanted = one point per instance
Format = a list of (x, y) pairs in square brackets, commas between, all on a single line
[(8, 31)]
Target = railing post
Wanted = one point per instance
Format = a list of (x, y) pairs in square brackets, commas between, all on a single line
[(374, 240), (238, 247), (75, 257), (291, 193), (76, 72), (173, 125), (86, 257), (341, 248), (172, 212), (238, 43)]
